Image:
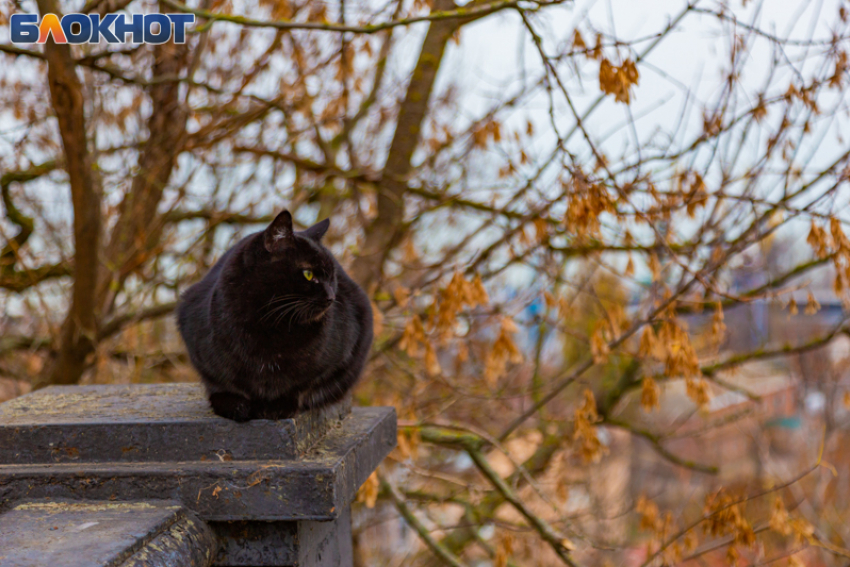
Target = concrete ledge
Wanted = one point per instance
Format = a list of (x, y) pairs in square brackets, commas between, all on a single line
[(315, 487), (145, 423), (104, 534)]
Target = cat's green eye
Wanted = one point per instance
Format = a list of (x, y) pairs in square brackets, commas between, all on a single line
[(308, 274)]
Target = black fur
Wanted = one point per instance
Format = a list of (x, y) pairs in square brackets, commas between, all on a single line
[(266, 341)]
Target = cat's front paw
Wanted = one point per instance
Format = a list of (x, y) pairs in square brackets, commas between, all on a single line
[(231, 406)]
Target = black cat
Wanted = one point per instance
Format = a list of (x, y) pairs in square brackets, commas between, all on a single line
[(276, 326)]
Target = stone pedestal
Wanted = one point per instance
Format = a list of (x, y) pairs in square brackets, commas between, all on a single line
[(272, 492)]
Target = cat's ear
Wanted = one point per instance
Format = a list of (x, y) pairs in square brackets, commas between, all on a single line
[(318, 230), (278, 234)]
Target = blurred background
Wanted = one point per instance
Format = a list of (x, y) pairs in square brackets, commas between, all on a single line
[(605, 243)]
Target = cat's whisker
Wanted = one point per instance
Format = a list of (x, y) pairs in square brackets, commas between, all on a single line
[(272, 311), (293, 310), (276, 310), (280, 309), (289, 309), (309, 312), (299, 314), (293, 314), (299, 308), (280, 298)]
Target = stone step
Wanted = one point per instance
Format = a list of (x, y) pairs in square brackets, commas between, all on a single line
[(104, 534)]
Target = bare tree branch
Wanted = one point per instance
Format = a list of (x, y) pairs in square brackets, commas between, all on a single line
[(440, 551), (138, 228), (445, 13), (117, 324)]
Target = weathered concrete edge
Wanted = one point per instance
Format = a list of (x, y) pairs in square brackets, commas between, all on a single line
[(356, 466), (187, 542), (169, 437), (176, 539), (313, 488)]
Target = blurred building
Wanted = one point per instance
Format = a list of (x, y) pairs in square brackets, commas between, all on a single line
[(745, 437)]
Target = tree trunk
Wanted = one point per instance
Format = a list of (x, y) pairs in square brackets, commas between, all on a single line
[(80, 326), (387, 229), (139, 228)]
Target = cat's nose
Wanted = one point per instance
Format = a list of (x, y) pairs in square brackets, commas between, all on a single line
[(330, 298)]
